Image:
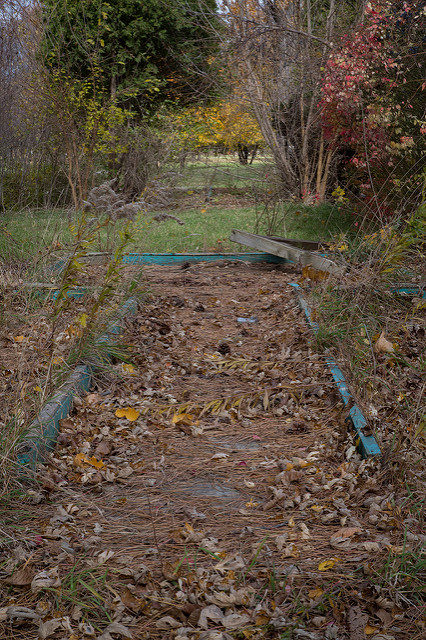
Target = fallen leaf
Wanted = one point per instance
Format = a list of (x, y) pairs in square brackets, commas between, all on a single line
[(281, 540), (356, 623), (369, 630), (304, 531), (382, 345), (16, 612), (235, 620), (82, 320), (385, 616), (48, 628), (314, 594), (183, 418), (103, 449), (119, 629), (129, 600), (129, 413), (371, 546), (19, 339), (291, 551), (81, 459), (104, 556), (129, 368), (220, 456), (327, 564), (167, 622), (21, 577), (233, 563), (213, 613), (93, 398), (46, 580)]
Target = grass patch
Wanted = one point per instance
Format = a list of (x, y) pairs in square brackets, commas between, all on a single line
[(88, 589), (208, 231), (225, 171), (27, 234), (322, 221), (34, 234)]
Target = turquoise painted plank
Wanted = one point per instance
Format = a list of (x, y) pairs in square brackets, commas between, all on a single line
[(78, 292), (340, 381), (366, 445), (179, 258), (42, 433), (410, 291)]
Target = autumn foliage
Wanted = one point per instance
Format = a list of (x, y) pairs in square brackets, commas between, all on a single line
[(371, 103), (225, 125)]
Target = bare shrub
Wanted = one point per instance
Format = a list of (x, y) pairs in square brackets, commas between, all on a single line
[(105, 201)]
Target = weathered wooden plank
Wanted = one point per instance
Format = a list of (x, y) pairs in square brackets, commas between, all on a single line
[(179, 258), (366, 444), (286, 251), (301, 244), (174, 258)]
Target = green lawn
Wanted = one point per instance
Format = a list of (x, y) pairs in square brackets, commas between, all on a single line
[(27, 234), (206, 228), (226, 171)]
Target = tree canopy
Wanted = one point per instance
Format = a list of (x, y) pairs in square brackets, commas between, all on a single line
[(148, 51)]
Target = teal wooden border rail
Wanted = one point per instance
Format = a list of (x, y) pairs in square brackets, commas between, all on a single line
[(181, 258), (43, 431), (366, 445), (177, 258)]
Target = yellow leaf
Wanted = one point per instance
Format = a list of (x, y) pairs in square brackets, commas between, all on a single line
[(37, 388), (327, 564), (81, 459), (57, 360), (304, 463), (129, 368), (82, 320), (317, 508), (129, 413), (314, 594), (369, 630), (19, 339), (183, 418)]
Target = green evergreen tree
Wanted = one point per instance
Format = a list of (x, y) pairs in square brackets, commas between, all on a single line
[(148, 50)]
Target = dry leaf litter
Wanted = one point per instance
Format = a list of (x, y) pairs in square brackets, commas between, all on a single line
[(208, 489)]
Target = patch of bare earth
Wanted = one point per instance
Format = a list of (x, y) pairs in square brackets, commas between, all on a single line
[(225, 500)]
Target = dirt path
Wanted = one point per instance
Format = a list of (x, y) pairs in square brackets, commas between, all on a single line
[(230, 505)]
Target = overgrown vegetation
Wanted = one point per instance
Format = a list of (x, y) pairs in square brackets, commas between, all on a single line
[(158, 127)]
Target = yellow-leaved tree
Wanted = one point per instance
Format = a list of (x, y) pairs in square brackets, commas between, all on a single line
[(225, 125)]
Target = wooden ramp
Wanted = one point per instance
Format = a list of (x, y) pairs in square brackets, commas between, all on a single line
[(294, 250)]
